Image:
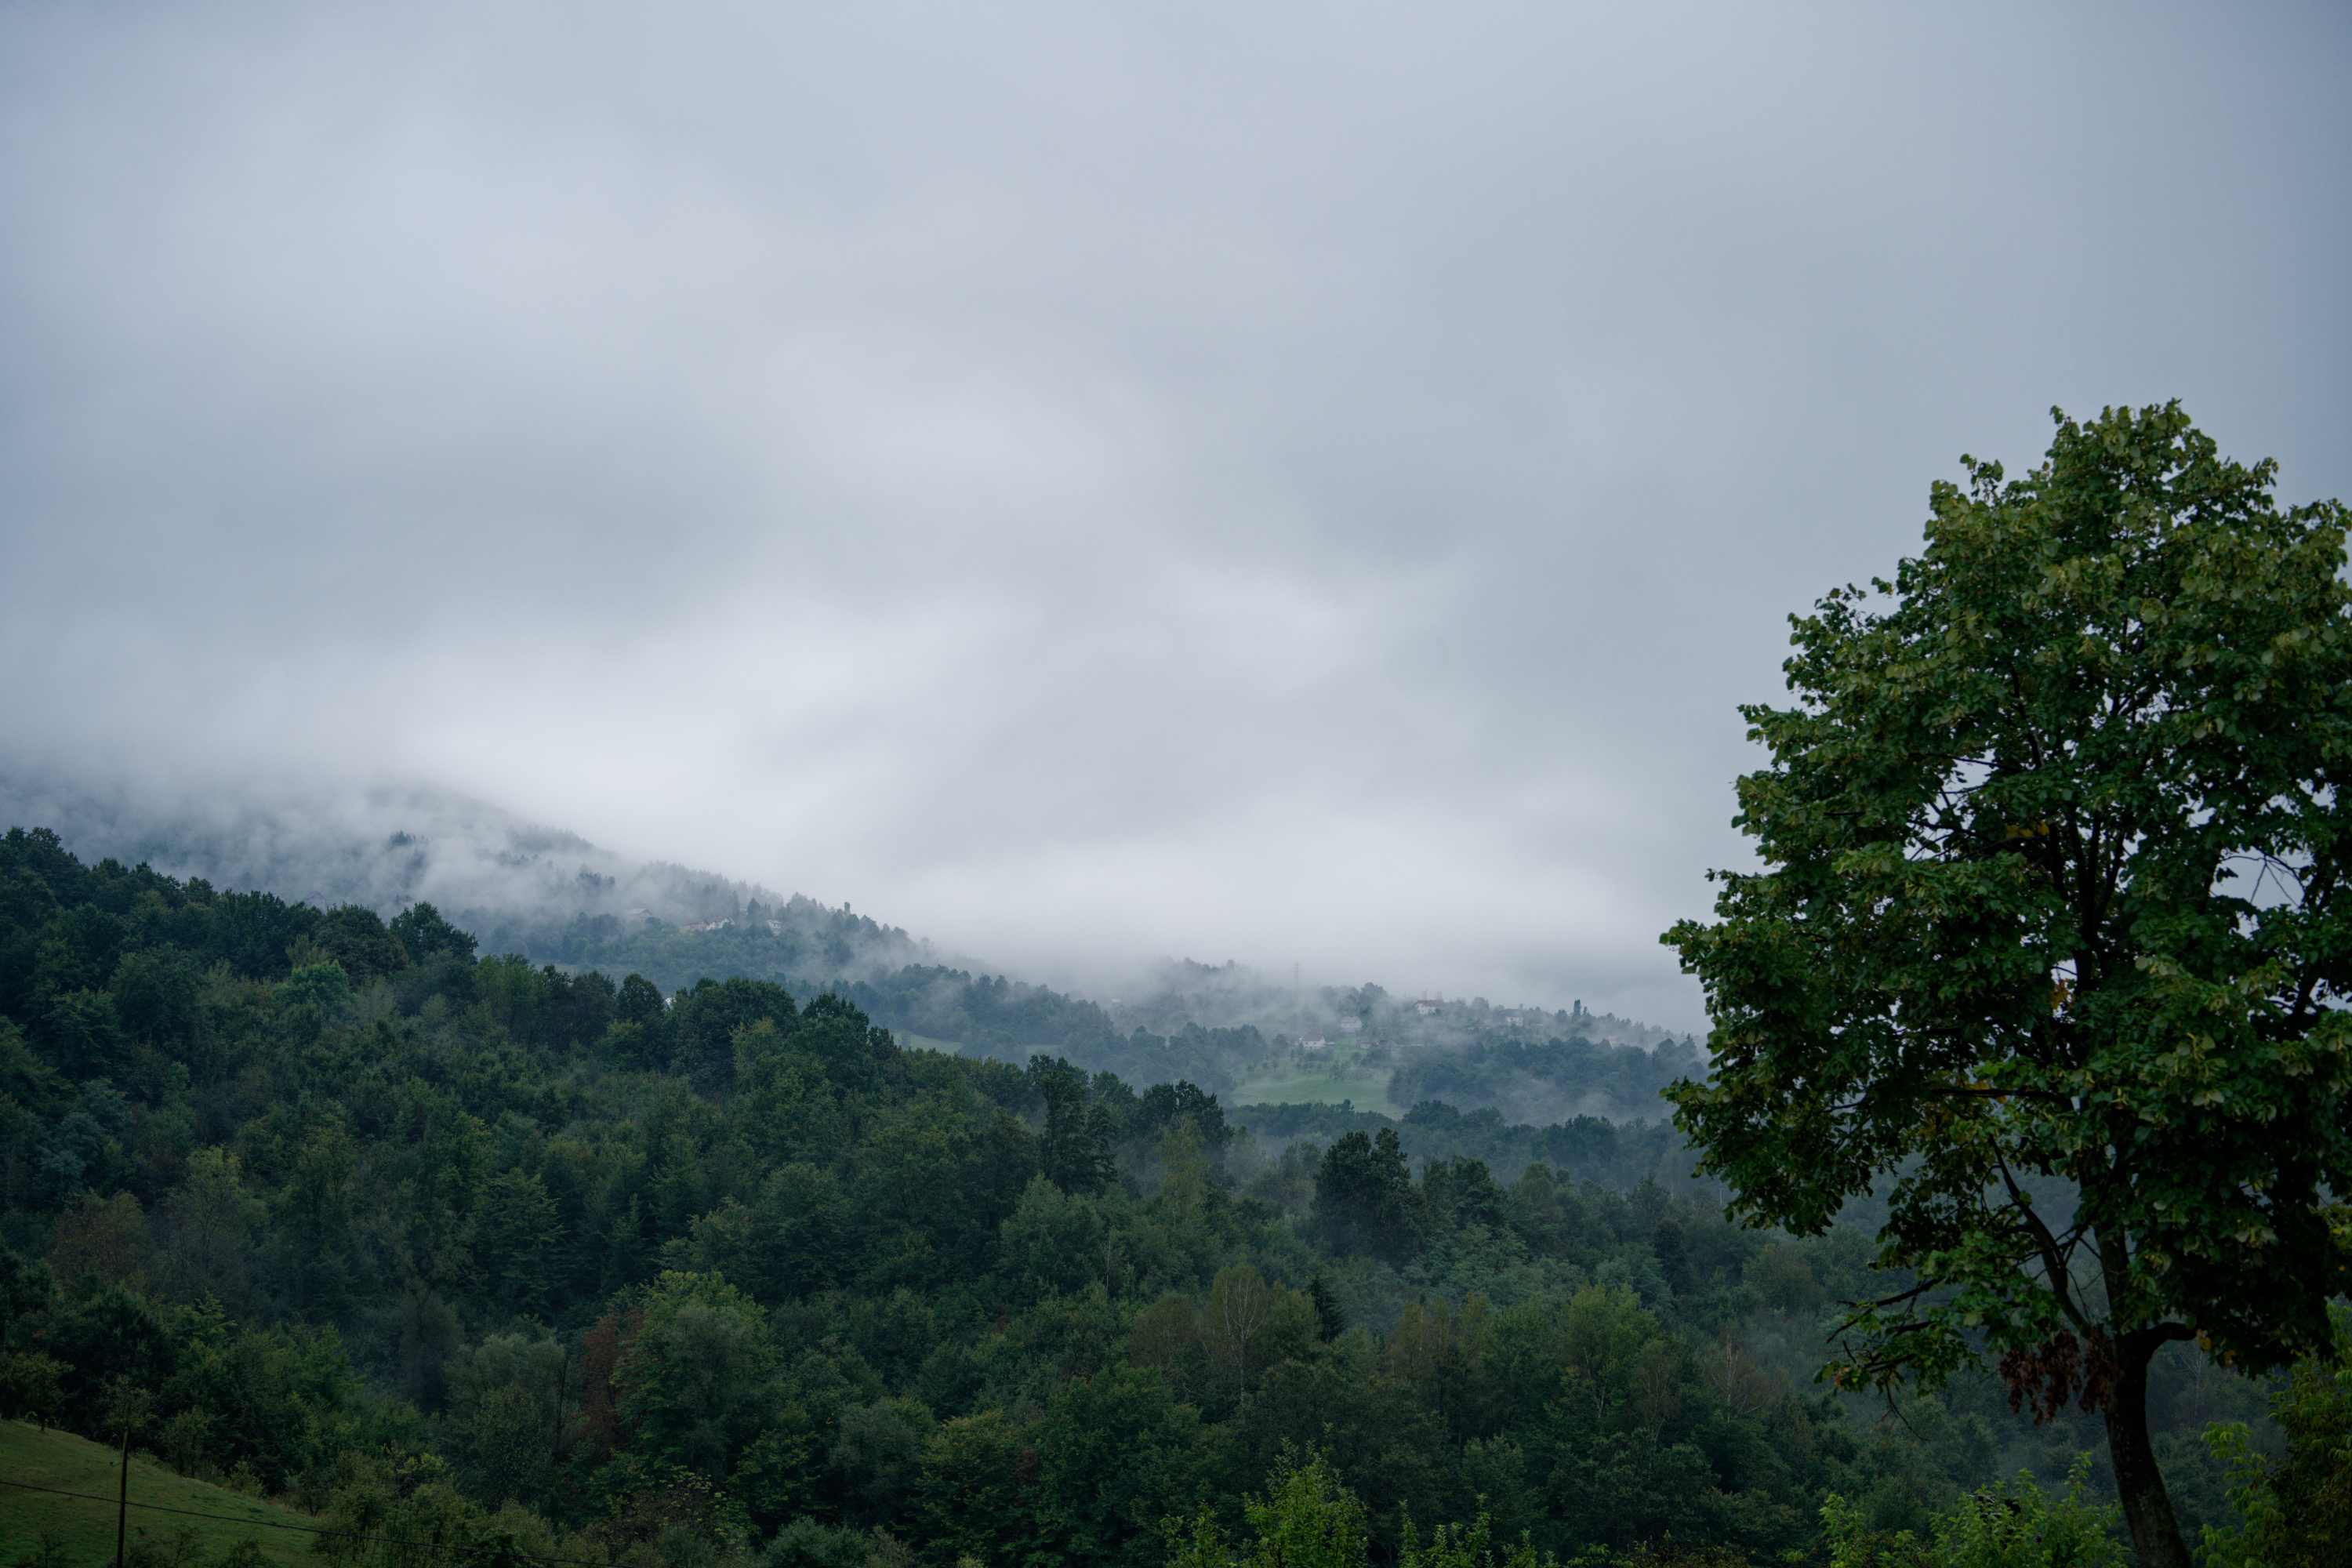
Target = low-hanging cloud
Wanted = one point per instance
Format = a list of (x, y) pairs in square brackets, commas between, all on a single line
[(1092, 483)]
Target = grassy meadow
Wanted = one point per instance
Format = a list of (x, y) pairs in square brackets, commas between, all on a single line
[(86, 1529)]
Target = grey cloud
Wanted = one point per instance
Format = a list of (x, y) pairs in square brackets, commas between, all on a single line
[(1089, 483)]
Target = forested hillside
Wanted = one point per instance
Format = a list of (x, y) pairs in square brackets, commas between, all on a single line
[(453, 1248), (520, 886), (555, 897)]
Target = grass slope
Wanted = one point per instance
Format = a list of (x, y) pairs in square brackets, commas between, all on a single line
[(74, 1464), (1335, 1077), (1327, 1078)]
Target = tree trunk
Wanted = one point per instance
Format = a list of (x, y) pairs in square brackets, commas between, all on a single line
[(2139, 1485)]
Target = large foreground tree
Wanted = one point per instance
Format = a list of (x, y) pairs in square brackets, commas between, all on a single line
[(2051, 942)]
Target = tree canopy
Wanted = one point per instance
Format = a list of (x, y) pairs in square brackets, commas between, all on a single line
[(2050, 941)]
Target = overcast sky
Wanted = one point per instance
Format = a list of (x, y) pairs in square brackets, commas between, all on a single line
[(1287, 483)]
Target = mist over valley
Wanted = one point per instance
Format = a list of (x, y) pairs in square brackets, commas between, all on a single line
[(1201, 787), (551, 896)]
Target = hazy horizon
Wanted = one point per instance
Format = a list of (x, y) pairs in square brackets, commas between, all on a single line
[(1303, 488)]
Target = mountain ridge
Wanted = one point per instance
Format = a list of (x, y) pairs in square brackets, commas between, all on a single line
[(554, 897)]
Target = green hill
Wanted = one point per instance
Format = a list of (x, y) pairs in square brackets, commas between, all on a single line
[(1335, 1074), (86, 1529)]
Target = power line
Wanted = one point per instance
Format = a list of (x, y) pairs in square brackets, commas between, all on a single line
[(439, 1548)]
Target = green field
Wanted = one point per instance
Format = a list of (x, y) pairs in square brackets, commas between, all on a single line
[(86, 1529), (1330, 1077)]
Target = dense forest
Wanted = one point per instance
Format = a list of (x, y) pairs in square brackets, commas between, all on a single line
[(1188, 1027), (528, 1264), (555, 897), (514, 883), (1568, 1075)]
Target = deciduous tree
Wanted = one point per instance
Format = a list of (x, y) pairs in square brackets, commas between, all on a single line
[(2050, 941)]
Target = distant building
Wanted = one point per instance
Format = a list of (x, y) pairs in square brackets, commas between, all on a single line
[(1316, 1044), (1426, 1005), (1351, 1025)]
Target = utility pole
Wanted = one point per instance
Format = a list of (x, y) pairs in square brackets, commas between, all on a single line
[(122, 1497), (128, 1406)]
